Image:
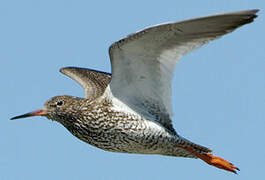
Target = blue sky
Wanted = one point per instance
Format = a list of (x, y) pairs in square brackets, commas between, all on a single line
[(218, 91)]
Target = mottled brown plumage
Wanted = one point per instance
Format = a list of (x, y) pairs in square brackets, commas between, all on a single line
[(94, 82), (130, 110)]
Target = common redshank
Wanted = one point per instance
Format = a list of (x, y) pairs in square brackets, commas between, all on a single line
[(130, 110)]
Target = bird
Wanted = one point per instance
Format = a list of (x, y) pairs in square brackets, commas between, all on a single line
[(129, 110)]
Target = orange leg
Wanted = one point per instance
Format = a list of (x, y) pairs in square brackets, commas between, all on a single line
[(215, 161)]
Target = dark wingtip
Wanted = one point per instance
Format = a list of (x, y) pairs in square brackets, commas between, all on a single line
[(255, 10), (70, 69), (62, 70), (252, 14)]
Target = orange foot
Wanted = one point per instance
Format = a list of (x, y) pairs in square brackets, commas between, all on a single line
[(215, 161)]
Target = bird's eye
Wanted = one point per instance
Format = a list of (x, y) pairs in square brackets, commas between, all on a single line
[(59, 103)]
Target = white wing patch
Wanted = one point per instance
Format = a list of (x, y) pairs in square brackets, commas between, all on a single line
[(143, 63), (167, 62)]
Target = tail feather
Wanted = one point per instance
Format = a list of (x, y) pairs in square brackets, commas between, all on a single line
[(181, 150), (195, 147), (197, 151)]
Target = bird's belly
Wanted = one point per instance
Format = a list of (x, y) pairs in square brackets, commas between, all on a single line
[(141, 136)]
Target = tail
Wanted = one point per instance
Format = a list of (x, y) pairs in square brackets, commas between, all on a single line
[(205, 154)]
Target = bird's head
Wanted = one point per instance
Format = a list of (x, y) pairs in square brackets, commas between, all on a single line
[(63, 109)]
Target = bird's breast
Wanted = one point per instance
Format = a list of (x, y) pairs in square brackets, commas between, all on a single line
[(120, 132)]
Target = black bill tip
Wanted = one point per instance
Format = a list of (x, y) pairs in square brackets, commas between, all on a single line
[(33, 113)]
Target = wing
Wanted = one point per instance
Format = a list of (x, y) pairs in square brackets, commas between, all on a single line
[(94, 82), (143, 63)]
